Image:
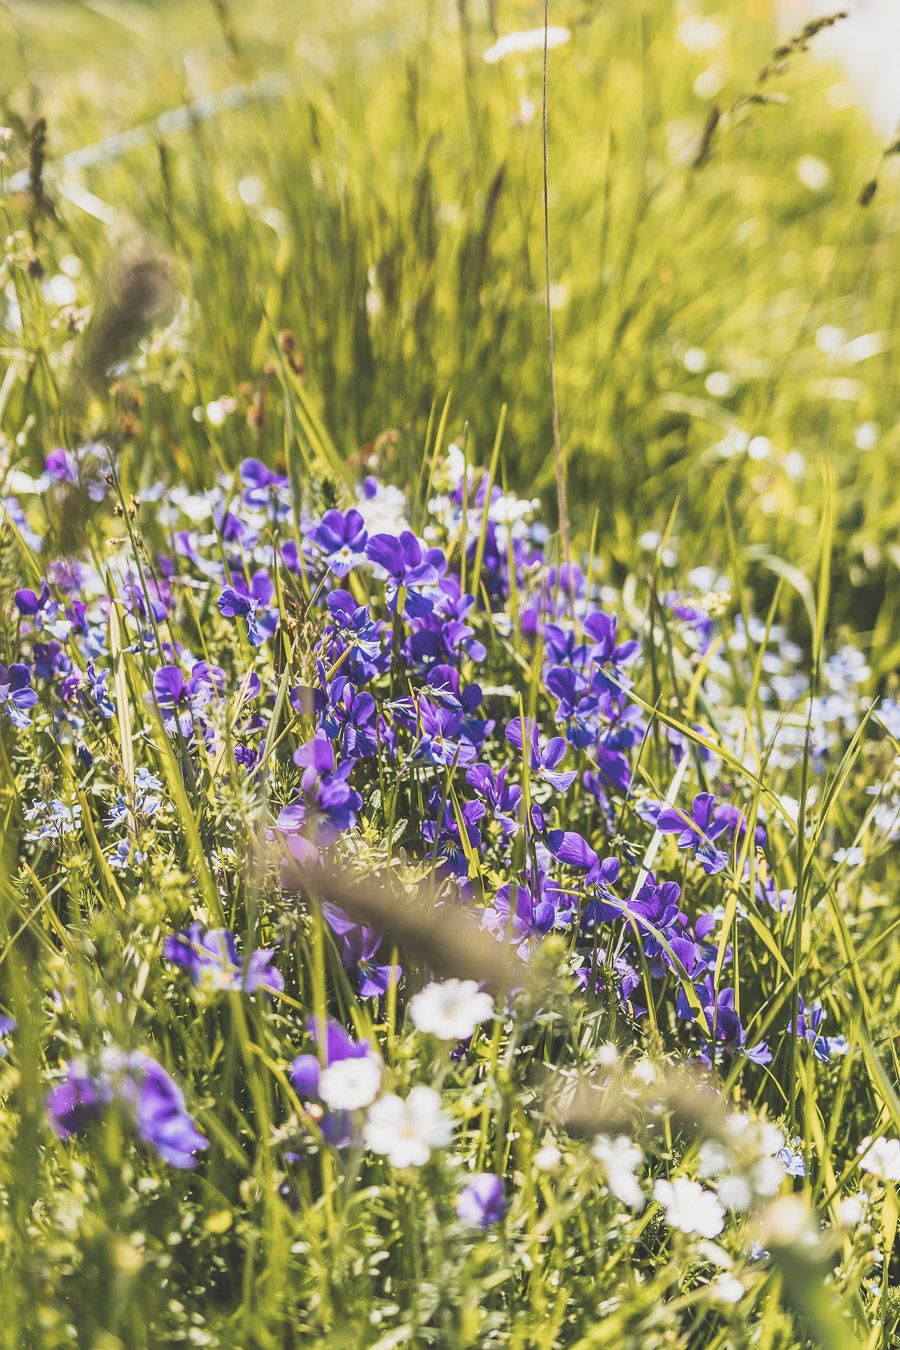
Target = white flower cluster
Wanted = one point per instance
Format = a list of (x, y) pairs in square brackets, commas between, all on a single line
[(690, 1207), (405, 1130), (748, 1162), (744, 1165), (510, 515)]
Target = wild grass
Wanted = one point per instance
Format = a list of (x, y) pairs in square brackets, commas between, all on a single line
[(336, 266)]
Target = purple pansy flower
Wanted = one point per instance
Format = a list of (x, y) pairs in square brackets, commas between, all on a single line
[(150, 1097), (264, 490), (722, 1019), (251, 603), (577, 707), (448, 833), (697, 831), (809, 1023), (356, 626), (7, 1027), (504, 799), (342, 539), (16, 693), (481, 1202), (212, 961), (608, 654), (410, 568), (442, 740), (542, 760), (329, 804), (306, 1070), (31, 606)]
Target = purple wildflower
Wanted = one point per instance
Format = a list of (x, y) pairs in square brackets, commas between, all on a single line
[(264, 490), (212, 961), (149, 1096), (410, 569), (481, 1202), (16, 694), (341, 539), (542, 760), (809, 1024), (697, 831)]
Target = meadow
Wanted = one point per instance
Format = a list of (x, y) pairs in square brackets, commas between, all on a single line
[(440, 904)]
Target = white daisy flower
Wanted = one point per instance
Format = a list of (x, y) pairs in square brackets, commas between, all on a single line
[(881, 1157), (690, 1207), (620, 1158), (350, 1084), (405, 1132), (450, 1010)]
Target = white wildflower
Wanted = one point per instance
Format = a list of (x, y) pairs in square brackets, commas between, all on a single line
[(690, 1207), (735, 1192), (450, 1010), (350, 1084), (851, 1210), (405, 1132), (712, 1159), (383, 508), (547, 1158), (768, 1174), (881, 1157), (644, 1072), (620, 1158), (727, 1289), (852, 857)]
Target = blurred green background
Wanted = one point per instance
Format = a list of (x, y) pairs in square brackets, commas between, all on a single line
[(725, 309)]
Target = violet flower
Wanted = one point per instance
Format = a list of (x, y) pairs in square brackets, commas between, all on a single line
[(697, 831), (503, 799), (410, 569), (212, 961), (306, 1071), (150, 1099), (481, 1202), (542, 760), (341, 539), (577, 707), (251, 603), (608, 654), (16, 694), (32, 606), (809, 1023), (265, 490)]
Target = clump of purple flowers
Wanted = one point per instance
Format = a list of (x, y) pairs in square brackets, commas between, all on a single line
[(210, 957), (150, 1100)]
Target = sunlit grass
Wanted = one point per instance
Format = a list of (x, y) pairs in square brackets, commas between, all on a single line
[(335, 267)]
